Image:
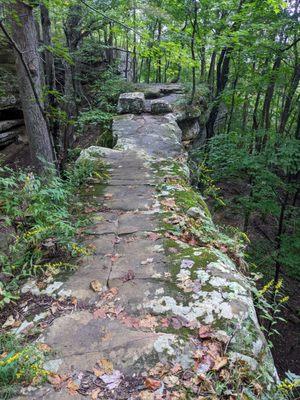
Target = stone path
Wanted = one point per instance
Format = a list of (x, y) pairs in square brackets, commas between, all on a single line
[(140, 315)]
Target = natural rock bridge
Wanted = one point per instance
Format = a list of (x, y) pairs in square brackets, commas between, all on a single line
[(171, 303)]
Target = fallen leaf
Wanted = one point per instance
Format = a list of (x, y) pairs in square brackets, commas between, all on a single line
[(72, 387), (152, 384), (146, 395), (176, 368), (97, 372), (170, 203), (153, 236), (106, 365), (44, 347), (57, 380), (165, 322), (100, 313), (171, 380), (205, 331), (258, 389), (113, 380), (96, 285), (114, 257), (9, 322), (109, 294), (220, 362), (225, 375), (95, 393), (3, 355), (129, 276), (54, 308), (148, 322)]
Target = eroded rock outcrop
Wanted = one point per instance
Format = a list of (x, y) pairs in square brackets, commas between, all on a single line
[(12, 126), (174, 315)]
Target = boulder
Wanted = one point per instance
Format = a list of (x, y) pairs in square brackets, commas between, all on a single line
[(196, 212), (190, 128), (131, 103), (8, 102), (171, 88), (160, 106), (9, 124), (10, 136), (94, 153), (153, 92)]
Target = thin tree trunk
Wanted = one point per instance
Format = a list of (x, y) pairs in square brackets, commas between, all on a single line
[(134, 59), (194, 23), (266, 118), (49, 70), (232, 103), (289, 97), (158, 74), (203, 63), (25, 39)]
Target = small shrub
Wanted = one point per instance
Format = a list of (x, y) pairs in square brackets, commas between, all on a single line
[(44, 217), (20, 365)]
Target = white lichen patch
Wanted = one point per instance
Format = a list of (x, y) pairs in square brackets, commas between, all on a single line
[(164, 344)]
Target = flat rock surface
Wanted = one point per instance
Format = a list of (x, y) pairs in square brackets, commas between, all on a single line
[(142, 289)]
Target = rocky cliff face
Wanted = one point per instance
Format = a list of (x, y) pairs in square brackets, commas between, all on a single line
[(12, 127)]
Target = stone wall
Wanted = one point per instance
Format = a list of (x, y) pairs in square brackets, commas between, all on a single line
[(11, 117)]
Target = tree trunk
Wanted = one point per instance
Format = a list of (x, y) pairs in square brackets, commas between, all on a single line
[(203, 63), (289, 97), (49, 70), (266, 119), (30, 85), (134, 58), (158, 73), (194, 23)]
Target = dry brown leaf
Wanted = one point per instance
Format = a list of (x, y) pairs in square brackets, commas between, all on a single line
[(44, 347), (225, 375), (258, 389), (152, 384), (56, 380), (98, 372), (95, 393), (72, 387), (171, 380), (146, 395), (96, 285), (220, 362), (100, 313), (114, 257), (110, 294), (205, 331), (129, 276), (3, 355), (170, 203), (153, 236), (148, 322), (106, 365), (9, 322)]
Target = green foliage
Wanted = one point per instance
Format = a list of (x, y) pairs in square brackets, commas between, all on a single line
[(43, 216), (266, 172), (269, 301), (95, 117), (19, 365), (107, 89)]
